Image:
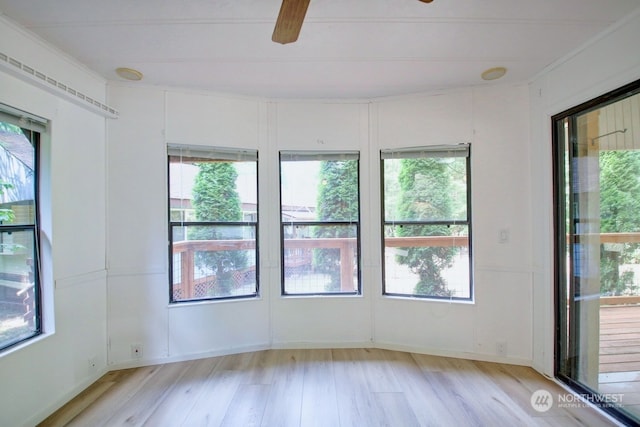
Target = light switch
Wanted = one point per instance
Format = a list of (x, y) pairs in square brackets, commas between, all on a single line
[(503, 236)]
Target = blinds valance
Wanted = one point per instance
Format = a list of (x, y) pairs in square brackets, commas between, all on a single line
[(301, 156), (195, 153), (454, 150), (22, 119)]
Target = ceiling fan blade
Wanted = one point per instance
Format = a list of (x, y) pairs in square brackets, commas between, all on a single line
[(289, 21)]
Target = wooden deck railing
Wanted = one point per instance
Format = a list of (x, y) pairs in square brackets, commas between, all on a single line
[(627, 237), (347, 247), (608, 237), (186, 287), (299, 250), (426, 241)]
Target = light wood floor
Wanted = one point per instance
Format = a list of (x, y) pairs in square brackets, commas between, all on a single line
[(328, 387)]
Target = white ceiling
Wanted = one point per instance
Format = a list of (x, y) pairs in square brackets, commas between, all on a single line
[(346, 49)]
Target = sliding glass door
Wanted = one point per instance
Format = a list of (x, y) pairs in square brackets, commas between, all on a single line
[(597, 201)]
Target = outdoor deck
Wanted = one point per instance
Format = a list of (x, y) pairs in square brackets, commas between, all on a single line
[(620, 353), (620, 338)]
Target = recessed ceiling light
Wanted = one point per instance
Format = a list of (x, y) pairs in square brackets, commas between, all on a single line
[(129, 73), (494, 73)]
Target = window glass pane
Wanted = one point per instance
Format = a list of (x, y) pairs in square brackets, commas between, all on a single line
[(217, 191), (319, 190), (320, 212), (427, 260), (320, 259), (213, 261), (213, 221), (426, 222), (425, 189), (17, 287), (19, 302), (17, 177), (597, 201)]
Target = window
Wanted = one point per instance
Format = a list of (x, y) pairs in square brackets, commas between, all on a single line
[(320, 211), (20, 308), (213, 223), (426, 222)]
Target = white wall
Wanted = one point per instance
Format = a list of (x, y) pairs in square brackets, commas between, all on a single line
[(100, 314), (494, 120), (38, 377), (313, 321), (607, 63), (139, 312)]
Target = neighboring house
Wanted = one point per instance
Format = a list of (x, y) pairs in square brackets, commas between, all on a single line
[(16, 206)]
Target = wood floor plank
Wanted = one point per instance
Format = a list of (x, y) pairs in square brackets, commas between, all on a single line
[(619, 343), (211, 406), (260, 367), (467, 381), (425, 398), (393, 409), (79, 404), (247, 406), (620, 367), (284, 404), (324, 387), (622, 335), (619, 358), (319, 402), (220, 388), (617, 377), (375, 366), (621, 349), (179, 401), (129, 382), (141, 405), (520, 382), (356, 403)]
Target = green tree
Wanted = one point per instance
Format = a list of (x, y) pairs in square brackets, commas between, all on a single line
[(337, 201), (425, 194), (6, 215), (619, 212), (215, 198)]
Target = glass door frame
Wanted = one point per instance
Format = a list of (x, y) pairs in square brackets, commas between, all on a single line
[(567, 322)]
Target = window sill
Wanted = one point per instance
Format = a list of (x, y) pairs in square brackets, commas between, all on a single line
[(316, 296), (27, 343), (181, 304), (470, 301)]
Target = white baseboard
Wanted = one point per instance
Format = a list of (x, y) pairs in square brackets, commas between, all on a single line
[(305, 345), (136, 363), (455, 354), (323, 345)]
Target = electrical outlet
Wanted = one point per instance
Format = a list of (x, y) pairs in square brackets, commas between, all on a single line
[(501, 348), (136, 351), (93, 364)]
